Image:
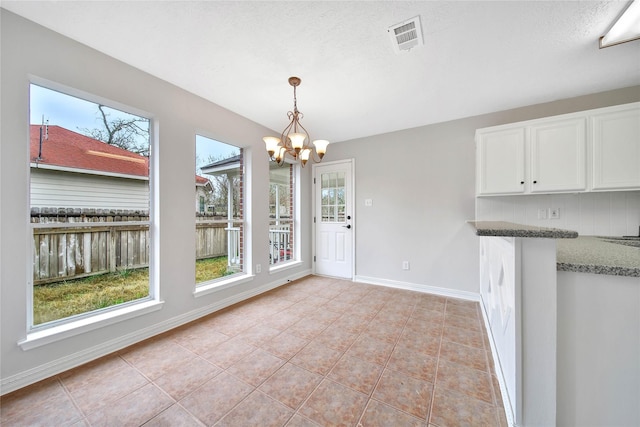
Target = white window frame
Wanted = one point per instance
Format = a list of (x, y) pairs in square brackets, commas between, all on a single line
[(295, 260), (221, 283), (56, 330)]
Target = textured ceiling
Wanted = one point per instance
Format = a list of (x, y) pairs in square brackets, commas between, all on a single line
[(478, 56)]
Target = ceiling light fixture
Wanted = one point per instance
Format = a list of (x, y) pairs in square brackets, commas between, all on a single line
[(293, 137), (625, 29)]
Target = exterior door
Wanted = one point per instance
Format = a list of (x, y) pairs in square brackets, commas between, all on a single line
[(333, 215)]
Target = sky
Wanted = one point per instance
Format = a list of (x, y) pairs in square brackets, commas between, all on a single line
[(75, 114)]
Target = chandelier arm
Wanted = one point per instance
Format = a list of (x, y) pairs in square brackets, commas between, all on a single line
[(308, 143), (284, 137), (315, 156)]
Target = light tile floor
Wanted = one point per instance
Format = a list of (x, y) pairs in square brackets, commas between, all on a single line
[(318, 351)]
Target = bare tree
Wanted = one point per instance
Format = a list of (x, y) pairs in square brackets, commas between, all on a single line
[(131, 134)]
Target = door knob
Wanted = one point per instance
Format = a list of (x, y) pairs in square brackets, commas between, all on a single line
[(347, 226)]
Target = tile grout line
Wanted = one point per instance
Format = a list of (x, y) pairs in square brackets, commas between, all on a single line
[(83, 416), (325, 376), (435, 378)]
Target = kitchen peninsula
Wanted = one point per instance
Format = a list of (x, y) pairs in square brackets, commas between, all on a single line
[(519, 298), (563, 314)]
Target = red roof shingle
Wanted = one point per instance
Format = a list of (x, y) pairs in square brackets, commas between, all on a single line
[(69, 149), (72, 150)]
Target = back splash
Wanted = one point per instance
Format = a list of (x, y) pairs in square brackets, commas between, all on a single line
[(590, 214)]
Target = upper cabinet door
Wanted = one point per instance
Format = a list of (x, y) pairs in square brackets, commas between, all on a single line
[(558, 156), (616, 148), (501, 161)]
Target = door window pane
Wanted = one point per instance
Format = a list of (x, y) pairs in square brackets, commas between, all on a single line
[(332, 197)]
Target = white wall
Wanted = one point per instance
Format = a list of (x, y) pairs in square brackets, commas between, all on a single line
[(421, 182), (177, 117)]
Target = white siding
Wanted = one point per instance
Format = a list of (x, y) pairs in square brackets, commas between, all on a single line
[(200, 192), (57, 189)]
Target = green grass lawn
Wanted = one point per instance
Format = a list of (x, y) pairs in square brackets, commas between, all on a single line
[(70, 297)]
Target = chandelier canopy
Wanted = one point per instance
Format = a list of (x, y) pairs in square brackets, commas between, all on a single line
[(294, 140)]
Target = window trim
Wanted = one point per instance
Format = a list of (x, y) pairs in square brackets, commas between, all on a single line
[(220, 284), (47, 335)]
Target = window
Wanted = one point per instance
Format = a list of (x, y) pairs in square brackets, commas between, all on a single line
[(90, 209), (201, 204), (333, 197), (219, 219), (281, 213)]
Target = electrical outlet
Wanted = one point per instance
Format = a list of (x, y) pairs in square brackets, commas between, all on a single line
[(405, 265), (258, 268), (542, 214), (368, 202), (554, 213)]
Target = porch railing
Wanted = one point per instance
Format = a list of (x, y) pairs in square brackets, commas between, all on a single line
[(279, 244), (233, 247)]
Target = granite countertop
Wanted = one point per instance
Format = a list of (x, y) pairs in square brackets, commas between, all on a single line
[(613, 256), (510, 229), (599, 255)]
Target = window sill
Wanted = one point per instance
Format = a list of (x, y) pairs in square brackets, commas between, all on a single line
[(219, 285), (284, 266), (60, 332)]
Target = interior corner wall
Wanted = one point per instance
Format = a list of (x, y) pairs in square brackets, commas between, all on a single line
[(422, 185), (30, 50)]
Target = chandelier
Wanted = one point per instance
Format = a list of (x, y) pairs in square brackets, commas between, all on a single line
[(294, 140)]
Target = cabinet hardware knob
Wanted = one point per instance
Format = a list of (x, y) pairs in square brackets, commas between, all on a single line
[(521, 182), (535, 182)]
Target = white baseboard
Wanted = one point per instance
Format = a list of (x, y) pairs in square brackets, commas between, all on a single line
[(54, 367), (445, 292)]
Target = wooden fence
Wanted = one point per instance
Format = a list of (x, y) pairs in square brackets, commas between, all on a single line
[(71, 248)]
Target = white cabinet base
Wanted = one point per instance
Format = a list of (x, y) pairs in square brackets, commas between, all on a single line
[(518, 291), (598, 350)]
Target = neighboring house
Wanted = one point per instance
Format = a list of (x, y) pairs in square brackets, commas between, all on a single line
[(230, 168), (70, 170), (203, 190)]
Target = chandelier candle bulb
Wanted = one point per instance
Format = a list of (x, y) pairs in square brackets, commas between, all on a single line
[(304, 156), (293, 137), (271, 143), (297, 141), (321, 146)]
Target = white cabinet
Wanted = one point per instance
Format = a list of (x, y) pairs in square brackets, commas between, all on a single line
[(558, 150), (616, 148), (594, 150), (501, 161), (540, 157)]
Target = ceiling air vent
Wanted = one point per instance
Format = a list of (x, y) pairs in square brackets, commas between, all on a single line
[(406, 35)]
